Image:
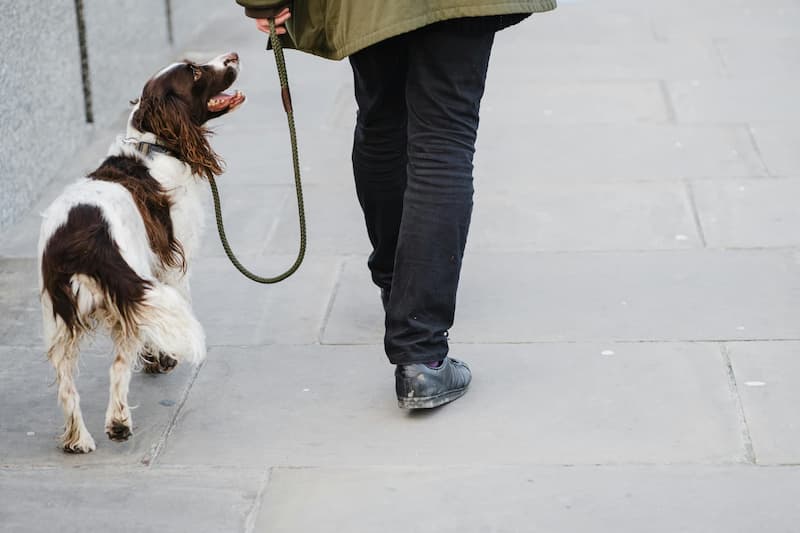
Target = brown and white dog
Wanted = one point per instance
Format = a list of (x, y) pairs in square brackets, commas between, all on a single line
[(115, 247)]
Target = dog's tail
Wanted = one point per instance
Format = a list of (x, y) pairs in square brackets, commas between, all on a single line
[(82, 270), (166, 321), (161, 319)]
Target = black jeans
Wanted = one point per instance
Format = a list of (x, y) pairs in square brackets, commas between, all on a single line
[(418, 98)]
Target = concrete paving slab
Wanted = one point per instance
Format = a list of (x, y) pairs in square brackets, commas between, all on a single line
[(335, 223), (595, 102), (192, 22), (528, 155), (250, 214), (703, 6), (356, 315), (31, 421), (96, 499), (734, 101), (778, 144), (529, 297), (324, 155), (640, 403), (777, 58), (635, 216), (237, 311), (19, 241), (749, 213), (253, 154), (581, 22), (20, 310), (521, 60), (472, 500), (748, 21), (767, 374), (700, 295)]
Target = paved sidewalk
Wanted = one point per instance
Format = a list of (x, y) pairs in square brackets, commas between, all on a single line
[(630, 306)]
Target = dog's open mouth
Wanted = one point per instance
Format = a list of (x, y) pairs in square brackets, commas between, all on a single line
[(225, 101)]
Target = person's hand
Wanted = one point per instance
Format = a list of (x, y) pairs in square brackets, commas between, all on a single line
[(280, 19)]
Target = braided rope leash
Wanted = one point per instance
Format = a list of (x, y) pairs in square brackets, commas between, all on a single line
[(287, 106)]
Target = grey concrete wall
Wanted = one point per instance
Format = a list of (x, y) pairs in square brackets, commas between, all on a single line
[(42, 119), (41, 108)]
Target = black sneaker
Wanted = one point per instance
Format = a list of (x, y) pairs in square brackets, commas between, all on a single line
[(420, 386)]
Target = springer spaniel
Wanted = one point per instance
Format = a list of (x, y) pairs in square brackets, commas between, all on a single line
[(114, 247)]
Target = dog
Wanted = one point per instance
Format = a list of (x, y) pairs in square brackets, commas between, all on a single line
[(114, 247)]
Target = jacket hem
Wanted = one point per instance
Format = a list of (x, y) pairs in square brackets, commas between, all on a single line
[(539, 6)]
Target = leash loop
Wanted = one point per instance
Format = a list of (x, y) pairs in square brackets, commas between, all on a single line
[(287, 106)]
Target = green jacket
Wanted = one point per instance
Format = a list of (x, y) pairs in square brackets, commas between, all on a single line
[(334, 29)]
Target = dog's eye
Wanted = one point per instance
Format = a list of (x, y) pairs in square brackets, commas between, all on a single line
[(196, 72)]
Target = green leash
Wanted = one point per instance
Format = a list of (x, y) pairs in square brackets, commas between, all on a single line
[(287, 106)]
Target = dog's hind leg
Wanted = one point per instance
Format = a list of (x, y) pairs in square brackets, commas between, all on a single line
[(162, 322), (62, 351), (118, 424)]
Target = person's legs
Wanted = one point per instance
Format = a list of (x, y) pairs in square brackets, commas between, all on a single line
[(379, 148), (447, 64)]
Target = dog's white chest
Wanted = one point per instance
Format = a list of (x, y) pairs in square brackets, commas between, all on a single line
[(185, 193), (188, 216)]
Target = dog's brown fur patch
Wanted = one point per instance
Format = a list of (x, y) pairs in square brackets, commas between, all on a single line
[(153, 203), (84, 245)]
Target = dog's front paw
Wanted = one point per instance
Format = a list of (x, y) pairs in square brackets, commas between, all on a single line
[(118, 431)]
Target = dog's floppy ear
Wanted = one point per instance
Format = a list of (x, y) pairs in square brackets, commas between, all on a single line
[(169, 118)]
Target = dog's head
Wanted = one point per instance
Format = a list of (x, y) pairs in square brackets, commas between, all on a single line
[(177, 102)]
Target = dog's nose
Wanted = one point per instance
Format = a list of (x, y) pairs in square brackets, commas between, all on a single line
[(233, 57)]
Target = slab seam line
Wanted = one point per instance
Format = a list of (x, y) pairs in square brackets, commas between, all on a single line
[(252, 513), (749, 451), (152, 455)]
